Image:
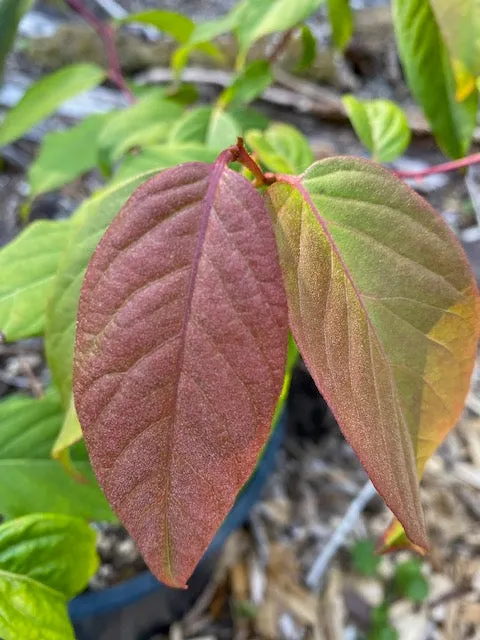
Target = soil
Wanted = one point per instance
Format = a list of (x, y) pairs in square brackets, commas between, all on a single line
[(259, 589)]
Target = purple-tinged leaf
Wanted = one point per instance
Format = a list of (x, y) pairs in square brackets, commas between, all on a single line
[(180, 355)]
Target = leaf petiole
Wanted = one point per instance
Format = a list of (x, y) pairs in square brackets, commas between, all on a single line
[(238, 153)]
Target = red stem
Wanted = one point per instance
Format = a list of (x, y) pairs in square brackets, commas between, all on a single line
[(281, 46), (240, 154), (107, 34), (440, 168)]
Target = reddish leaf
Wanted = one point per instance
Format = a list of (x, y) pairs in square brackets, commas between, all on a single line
[(383, 308), (180, 354)]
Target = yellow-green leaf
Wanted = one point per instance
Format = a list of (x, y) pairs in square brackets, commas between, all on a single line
[(28, 265), (381, 125), (384, 309), (459, 22), (69, 434), (28, 609), (53, 549), (281, 148)]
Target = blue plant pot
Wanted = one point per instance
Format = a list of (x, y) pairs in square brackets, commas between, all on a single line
[(134, 609)]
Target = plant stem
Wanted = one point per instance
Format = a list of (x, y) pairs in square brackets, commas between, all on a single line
[(281, 45), (440, 168), (107, 34), (240, 154)]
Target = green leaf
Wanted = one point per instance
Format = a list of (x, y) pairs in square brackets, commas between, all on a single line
[(211, 127), (410, 582), (459, 22), (29, 609), (31, 480), (69, 434), (28, 265), (66, 155), (146, 123), (11, 12), (259, 18), (364, 558), (206, 31), (281, 148), (309, 49), (250, 83), (248, 118), (161, 157), (341, 19), (381, 125), (381, 629), (56, 550), (176, 25), (383, 306), (430, 76), (91, 220), (45, 96)]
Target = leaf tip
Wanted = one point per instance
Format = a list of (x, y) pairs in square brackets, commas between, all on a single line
[(395, 539)]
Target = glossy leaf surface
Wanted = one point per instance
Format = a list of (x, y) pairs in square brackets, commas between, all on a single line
[(28, 265), (381, 125), (65, 156), (180, 355), (430, 76), (45, 96), (31, 480), (56, 550), (383, 308), (91, 220), (27, 605)]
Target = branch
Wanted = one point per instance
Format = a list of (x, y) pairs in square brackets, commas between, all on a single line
[(315, 575), (281, 45), (440, 168), (107, 34)]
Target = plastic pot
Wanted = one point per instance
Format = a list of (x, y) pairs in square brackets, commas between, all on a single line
[(138, 607)]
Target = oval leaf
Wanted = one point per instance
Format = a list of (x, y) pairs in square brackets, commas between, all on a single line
[(382, 305), (281, 148), (26, 606), (180, 354), (381, 125), (55, 550)]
